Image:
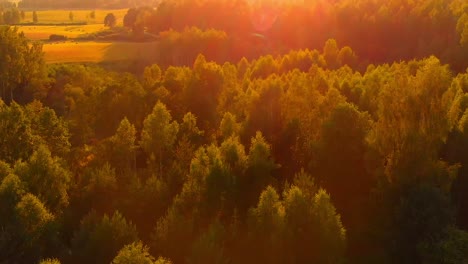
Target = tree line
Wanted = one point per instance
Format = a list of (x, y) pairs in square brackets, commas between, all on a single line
[(379, 31)]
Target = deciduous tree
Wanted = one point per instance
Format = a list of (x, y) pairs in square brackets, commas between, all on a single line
[(110, 20), (158, 135)]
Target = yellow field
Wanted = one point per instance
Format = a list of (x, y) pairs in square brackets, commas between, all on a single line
[(43, 32), (89, 51), (62, 16), (62, 52)]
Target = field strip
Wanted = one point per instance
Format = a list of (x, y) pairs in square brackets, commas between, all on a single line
[(64, 52), (36, 32)]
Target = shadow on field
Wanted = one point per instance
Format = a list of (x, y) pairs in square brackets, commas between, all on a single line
[(131, 56)]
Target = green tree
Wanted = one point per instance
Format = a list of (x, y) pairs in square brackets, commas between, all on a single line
[(33, 217), (5, 169), (266, 225), (264, 109), (158, 135), (208, 248), (12, 16), (233, 154), (99, 187), (162, 260), (34, 17), (130, 18), (412, 119), (462, 29), (419, 215), (110, 20), (229, 126), (207, 79), (176, 231), (331, 54), (122, 154), (259, 173), (189, 138), (98, 240), (346, 56), (219, 181), (451, 248), (16, 136), (50, 261), (28, 226), (135, 253), (22, 67), (332, 235), (52, 130), (148, 200), (47, 178), (152, 76), (121, 98), (300, 229), (174, 234), (342, 164), (11, 192), (189, 128), (306, 183)]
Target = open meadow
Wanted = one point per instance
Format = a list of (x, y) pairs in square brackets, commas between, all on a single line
[(38, 32), (49, 23), (90, 51), (79, 15)]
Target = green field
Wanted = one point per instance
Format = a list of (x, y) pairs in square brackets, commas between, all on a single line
[(43, 29), (62, 16), (83, 51), (43, 32), (64, 52)]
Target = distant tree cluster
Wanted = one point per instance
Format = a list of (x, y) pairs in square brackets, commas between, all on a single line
[(10, 16), (297, 158), (179, 48), (378, 31), (23, 73)]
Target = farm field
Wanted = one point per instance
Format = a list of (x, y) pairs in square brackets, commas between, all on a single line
[(82, 15), (38, 32), (89, 51), (81, 51), (66, 52)]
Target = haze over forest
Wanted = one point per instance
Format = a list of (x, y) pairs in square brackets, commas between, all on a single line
[(219, 131)]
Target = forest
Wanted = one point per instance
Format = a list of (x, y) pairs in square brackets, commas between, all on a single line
[(325, 131)]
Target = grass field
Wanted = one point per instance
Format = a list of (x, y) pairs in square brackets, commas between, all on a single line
[(43, 32), (62, 16), (84, 51), (63, 52)]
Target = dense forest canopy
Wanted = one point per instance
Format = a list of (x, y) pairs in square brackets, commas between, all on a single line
[(323, 132), (378, 31)]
